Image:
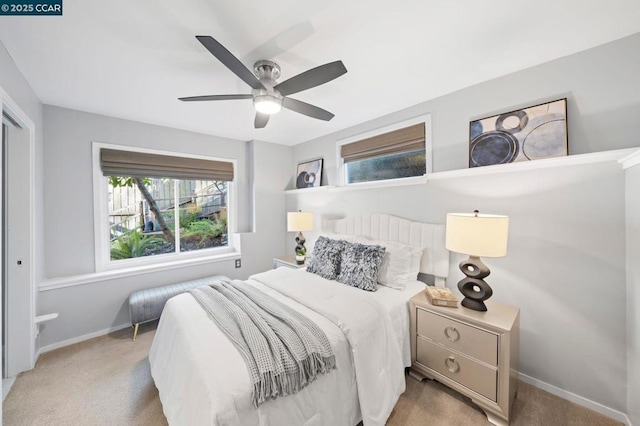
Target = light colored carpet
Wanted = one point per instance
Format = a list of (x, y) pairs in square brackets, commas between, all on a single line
[(102, 381), (106, 381)]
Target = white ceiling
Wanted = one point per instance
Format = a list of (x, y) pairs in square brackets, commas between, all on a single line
[(132, 59)]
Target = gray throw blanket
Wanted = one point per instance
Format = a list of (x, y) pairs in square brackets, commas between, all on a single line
[(284, 351)]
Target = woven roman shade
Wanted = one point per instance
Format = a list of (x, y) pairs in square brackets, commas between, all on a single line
[(114, 162), (402, 140)]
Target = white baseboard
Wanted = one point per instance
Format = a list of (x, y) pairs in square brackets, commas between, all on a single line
[(577, 399), (79, 339)]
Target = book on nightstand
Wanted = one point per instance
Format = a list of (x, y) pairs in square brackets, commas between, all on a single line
[(441, 296)]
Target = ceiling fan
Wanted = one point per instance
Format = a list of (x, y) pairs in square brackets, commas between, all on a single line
[(268, 96)]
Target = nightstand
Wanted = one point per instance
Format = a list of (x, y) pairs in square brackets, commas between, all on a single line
[(287, 262), (475, 353)]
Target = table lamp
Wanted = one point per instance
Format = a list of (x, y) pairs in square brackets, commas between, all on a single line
[(297, 222), (477, 235)]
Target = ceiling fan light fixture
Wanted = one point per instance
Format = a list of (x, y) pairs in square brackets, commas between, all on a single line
[(267, 104)]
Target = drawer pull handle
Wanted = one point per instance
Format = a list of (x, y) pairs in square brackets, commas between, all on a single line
[(452, 334), (452, 365)]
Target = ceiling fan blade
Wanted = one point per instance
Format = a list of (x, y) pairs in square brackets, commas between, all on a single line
[(307, 109), (312, 78), (261, 120), (230, 61), (215, 98)]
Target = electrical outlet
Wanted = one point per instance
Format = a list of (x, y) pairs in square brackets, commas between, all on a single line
[(238, 263)]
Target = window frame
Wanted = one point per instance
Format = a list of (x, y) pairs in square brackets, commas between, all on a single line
[(103, 260), (342, 171)]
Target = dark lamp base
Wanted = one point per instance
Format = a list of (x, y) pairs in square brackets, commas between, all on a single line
[(476, 305), (473, 287), (300, 248)]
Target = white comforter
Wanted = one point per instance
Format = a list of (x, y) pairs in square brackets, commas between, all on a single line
[(202, 380), (377, 357)]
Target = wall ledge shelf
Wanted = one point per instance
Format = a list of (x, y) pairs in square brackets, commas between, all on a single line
[(44, 318), (570, 160), (630, 160), (305, 190), (628, 157)]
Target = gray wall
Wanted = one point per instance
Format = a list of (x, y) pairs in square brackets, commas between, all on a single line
[(69, 177), (633, 292), (272, 173), (567, 238), (601, 86), (568, 225), (68, 207)]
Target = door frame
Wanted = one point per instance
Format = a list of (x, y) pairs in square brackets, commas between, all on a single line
[(8, 105)]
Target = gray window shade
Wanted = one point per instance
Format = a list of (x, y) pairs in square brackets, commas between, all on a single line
[(141, 164), (402, 140)]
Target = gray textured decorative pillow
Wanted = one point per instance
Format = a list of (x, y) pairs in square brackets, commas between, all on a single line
[(325, 260), (360, 265)]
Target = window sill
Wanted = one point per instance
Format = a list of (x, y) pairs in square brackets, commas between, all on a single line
[(74, 280)]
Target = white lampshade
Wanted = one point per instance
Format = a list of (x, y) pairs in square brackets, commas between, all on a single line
[(299, 221), (482, 235)]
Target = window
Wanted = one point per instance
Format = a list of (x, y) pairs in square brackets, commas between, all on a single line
[(392, 166), (393, 152), (158, 206)]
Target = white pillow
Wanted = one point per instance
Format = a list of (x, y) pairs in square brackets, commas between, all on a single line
[(400, 265), (416, 259)]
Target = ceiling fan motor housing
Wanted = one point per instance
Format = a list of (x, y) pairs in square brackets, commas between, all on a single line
[(266, 69)]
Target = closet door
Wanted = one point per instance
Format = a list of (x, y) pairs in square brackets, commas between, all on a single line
[(18, 310)]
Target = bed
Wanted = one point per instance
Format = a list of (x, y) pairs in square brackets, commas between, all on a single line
[(202, 379)]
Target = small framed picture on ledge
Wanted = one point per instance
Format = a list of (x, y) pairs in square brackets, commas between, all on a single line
[(309, 174)]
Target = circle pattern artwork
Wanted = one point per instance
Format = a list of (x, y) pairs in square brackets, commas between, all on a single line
[(542, 141), (515, 121), (305, 180), (494, 147), (532, 133)]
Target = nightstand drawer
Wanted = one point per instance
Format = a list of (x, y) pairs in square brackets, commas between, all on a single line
[(478, 377), (452, 334)]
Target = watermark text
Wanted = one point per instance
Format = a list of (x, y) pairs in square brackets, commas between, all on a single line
[(31, 7)]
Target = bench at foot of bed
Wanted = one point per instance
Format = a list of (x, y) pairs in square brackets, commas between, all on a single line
[(146, 305)]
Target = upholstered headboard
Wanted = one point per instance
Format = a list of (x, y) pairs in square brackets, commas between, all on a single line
[(378, 226)]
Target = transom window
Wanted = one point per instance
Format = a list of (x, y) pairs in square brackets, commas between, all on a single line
[(157, 206), (393, 152)]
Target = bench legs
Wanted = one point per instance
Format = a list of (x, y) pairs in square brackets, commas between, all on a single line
[(135, 330)]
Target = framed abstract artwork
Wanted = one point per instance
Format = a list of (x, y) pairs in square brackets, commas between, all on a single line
[(531, 133), (309, 174)]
